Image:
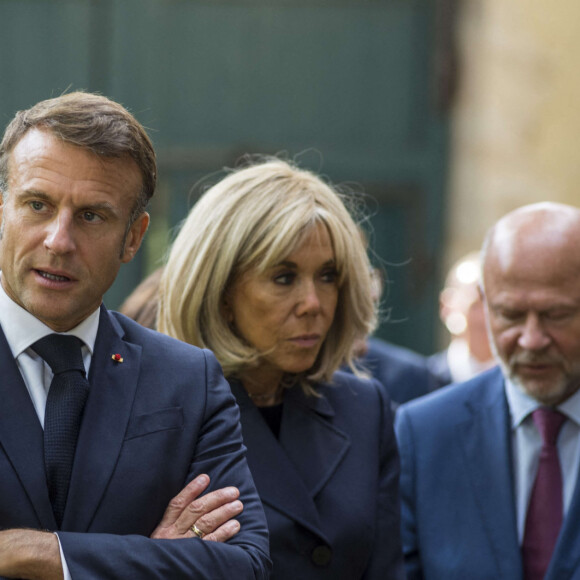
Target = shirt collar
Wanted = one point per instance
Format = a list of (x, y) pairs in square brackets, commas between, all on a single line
[(521, 405), (22, 329)]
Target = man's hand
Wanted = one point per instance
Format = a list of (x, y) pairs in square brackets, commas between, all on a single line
[(30, 554), (212, 514)]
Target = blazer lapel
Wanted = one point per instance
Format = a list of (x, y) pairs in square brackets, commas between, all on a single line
[(107, 412), (279, 483), (21, 436), (313, 444), (486, 441), (565, 563)]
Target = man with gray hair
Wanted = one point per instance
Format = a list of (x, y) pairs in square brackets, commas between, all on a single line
[(489, 468)]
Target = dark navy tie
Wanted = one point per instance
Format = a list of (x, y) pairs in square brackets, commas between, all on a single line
[(545, 510), (64, 408)]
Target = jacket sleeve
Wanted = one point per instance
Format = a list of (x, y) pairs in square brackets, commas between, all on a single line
[(220, 453), (387, 560), (411, 553)]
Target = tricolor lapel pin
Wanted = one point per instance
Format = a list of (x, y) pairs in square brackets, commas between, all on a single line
[(117, 358)]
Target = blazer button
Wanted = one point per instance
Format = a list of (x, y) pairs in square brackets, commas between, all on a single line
[(321, 555)]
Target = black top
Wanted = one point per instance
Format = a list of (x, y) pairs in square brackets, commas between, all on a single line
[(273, 417)]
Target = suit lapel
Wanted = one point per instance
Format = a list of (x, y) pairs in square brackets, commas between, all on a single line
[(107, 412), (312, 443), (565, 563), (486, 441), (280, 475), (21, 436)]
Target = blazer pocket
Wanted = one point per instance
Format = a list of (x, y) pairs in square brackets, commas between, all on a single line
[(162, 420)]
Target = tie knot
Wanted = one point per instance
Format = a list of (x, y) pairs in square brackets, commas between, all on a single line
[(549, 422), (62, 352)]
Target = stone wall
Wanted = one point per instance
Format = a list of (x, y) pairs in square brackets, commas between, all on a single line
[(516, 118)]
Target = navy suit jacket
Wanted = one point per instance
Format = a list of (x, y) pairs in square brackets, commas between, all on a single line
[(438, 366), (457, 489), (151, 424), (329, 485), (402, 372)]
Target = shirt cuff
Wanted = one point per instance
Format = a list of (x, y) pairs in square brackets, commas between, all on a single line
[(65, 570)]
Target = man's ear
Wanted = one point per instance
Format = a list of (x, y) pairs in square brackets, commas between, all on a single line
[(481, 291), (134, 237)]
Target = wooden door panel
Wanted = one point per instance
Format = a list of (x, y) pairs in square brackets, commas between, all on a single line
[(345, 86)]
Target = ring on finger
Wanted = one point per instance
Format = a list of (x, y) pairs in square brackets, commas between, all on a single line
[(197, 531)]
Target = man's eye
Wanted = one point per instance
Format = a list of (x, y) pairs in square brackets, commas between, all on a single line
[(89, 216), (510, 315), (558, 315), (36, 205)]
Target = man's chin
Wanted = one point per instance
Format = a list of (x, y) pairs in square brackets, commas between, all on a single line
[(547, 393), (59, 319)]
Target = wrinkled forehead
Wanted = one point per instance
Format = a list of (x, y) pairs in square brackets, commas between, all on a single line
[(541, 275)]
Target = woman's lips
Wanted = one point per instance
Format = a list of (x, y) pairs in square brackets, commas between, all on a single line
[(306, 340)]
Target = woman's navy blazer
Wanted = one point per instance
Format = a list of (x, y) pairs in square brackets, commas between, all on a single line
[(329, 484)]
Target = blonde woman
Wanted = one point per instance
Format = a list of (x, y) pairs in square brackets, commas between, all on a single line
[(269, 272)]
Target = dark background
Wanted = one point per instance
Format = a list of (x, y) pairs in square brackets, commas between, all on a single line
[(356, 90)]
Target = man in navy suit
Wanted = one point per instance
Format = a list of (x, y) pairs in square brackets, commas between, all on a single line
[(401, 371), (471, 467), (76, 173)]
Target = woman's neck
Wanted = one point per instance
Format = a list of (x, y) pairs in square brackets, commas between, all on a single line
[(263, 387)]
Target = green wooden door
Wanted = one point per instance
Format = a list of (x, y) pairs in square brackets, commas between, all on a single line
[(344, 87)]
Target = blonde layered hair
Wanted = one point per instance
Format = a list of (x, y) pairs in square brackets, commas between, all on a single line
[(251, 220)]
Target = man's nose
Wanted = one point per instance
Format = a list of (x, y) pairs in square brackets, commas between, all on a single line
[(533, 335), (59, 235)]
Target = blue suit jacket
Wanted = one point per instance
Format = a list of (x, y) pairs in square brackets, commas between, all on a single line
[(402, 372), (329, 485), (151, 424), (457, 489)]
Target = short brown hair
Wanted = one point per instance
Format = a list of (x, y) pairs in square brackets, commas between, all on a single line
[(92, 122)]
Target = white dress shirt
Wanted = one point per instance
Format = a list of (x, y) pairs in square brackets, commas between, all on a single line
[(527, 442), (22, 330)]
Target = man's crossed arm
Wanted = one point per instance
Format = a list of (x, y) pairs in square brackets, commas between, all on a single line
[(35, 555)]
